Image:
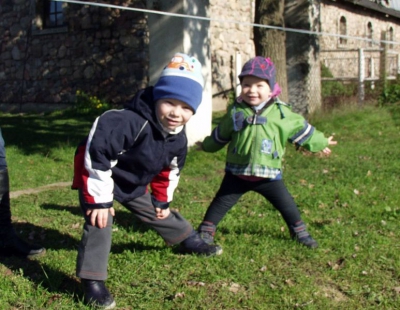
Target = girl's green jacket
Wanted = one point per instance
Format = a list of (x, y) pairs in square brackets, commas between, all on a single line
[(257, 141)]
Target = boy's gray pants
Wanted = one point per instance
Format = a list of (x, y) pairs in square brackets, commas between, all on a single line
[(95, 245)]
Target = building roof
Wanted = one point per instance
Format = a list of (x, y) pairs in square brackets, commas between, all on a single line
[(393, 8)]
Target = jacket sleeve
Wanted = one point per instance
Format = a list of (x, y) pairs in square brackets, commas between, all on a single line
[(111, 134), (305, 135), (221, 135), (164, 184)]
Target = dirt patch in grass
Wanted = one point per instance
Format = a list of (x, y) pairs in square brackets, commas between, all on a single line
[(36, 190)]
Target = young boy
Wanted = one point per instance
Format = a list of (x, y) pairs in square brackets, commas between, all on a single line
[(10, 243), (257, 127), (126, 151)]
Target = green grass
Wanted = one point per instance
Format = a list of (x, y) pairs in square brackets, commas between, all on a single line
[(349, 200)]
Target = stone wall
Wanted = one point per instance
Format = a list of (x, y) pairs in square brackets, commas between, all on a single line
[(103, 51), (341, 56), (100, 51), (228, 39)]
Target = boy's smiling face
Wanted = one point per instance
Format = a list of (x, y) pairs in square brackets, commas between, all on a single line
[(173, 113), (255, 90)]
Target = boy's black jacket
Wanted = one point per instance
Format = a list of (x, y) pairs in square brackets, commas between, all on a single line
[(142, 154)]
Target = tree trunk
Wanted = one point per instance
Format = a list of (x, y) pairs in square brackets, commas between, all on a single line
[(271, 42)]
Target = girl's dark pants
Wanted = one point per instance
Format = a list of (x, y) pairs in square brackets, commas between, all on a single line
[(233, 187), (95, 245)]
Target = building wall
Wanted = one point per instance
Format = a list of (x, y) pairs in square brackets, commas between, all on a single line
[(341, 57), (100, 51), (228, 39)]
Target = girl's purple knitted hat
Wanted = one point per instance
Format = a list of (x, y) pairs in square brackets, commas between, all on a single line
[(262, 68)]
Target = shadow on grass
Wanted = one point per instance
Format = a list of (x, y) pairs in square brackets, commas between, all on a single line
[(36, 134), (275, 233), (53, 280), (74, 210), (124, 219)]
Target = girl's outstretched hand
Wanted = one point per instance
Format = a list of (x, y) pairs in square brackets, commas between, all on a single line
[(327, 150), (331, 141)]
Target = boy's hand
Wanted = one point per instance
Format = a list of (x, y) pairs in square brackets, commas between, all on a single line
[(162, 213), (99, 217)]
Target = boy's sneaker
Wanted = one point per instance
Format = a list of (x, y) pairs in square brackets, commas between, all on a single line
[(207, 232), (195, 245), (299, 233)]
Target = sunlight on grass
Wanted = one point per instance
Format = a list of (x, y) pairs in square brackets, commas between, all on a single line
[(349, 200)]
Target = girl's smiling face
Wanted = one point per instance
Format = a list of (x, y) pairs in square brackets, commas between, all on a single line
[(255, 90)]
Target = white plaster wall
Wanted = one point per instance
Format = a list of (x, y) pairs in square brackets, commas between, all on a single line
[(196, 40), (171, 34)]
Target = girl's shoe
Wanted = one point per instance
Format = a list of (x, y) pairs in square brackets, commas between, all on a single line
[(299, 233), (207, 232)]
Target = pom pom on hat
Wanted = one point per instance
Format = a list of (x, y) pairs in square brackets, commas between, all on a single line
[(181, 79)]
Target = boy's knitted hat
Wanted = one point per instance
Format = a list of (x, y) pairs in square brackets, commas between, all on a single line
[(262, 68), (181, 79)]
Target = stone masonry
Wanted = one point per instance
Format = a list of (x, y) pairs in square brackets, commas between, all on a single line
[(228, 39), (100, 51), (341, 56)]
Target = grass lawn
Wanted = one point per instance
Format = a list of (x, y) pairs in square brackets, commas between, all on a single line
[(349, 200)]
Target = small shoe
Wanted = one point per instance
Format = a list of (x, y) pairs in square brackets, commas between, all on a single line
[(299, 233), (308, 242), (14, 245), (207, 231), (196, 245), (97, 295)]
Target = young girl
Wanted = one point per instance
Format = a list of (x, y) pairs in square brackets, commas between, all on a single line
[(256, 128)]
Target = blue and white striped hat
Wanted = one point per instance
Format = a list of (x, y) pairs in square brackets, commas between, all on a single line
[(181, 79)]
